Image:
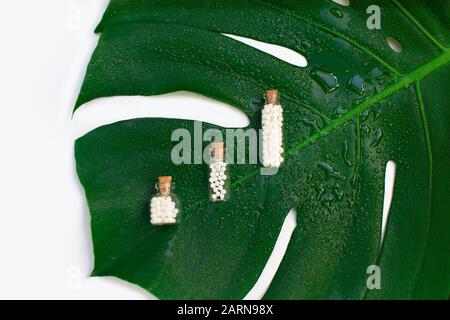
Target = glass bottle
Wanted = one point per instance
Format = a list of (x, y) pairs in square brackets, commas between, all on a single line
[(272, 131), (164, 206), (218, 173)]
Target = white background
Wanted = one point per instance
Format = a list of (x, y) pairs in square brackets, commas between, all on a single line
[(45, 242)]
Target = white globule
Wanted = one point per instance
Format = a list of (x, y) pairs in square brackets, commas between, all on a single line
[(272, 136), (163, 210), (217, 179)]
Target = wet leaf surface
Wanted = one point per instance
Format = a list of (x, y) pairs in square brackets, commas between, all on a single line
[(357, 105)]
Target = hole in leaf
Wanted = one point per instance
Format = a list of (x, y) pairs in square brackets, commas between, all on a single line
[(92, 115), (265, 279), (389, 182), (344, 3), (282, 53), (394, 44)]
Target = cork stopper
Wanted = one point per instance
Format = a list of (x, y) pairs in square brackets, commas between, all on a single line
[(218, 150), (165, 183), (272, 97)]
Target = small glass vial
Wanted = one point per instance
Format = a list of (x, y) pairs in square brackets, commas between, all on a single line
[(164, 208), (218, 175), (272, 131)]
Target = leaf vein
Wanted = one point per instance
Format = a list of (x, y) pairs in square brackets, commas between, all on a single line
[(403, 82), (418, 25), (423, 117), (336, 34)]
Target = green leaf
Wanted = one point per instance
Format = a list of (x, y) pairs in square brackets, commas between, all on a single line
[(338, 141)]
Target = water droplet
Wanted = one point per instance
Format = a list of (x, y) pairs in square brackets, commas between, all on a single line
[(327, 80), (313, 124), (376, 113), (345, 151), (338, 192), (361, 100), (376, 139), (320, 190), (350, 203), (365, 130), (376, 73), (337, 12), (330, 171), (365, 115), (326, 197), (357, 84), (354, 180), (338, 112)]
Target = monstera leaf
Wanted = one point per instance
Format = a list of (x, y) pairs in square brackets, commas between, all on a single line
[(357, 105)]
